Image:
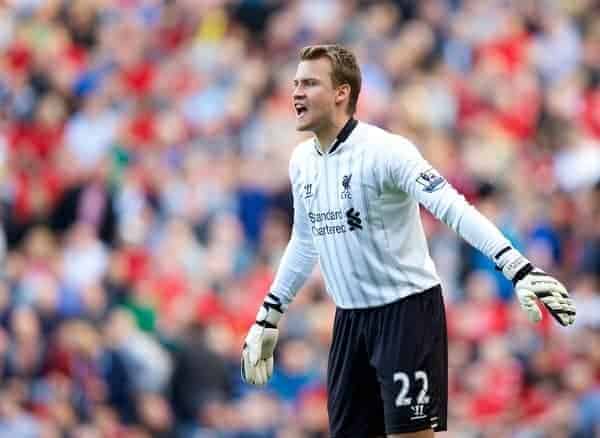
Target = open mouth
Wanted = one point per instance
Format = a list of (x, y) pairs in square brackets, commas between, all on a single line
[(300, 110)]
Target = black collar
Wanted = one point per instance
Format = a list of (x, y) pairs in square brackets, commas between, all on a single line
[(341, 137)]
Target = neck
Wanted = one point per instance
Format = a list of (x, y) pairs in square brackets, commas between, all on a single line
[(327, 134)]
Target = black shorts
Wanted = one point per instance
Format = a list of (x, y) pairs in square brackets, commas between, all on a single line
[(388, 368)]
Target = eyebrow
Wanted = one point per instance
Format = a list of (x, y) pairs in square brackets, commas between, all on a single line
[(304, 80)]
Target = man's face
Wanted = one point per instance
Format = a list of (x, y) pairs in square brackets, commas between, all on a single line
[(314, 96)]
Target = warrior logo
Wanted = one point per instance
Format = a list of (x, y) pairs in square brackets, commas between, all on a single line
[(308, 191)]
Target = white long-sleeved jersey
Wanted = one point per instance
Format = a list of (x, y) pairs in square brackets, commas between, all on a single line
[(356, 210)]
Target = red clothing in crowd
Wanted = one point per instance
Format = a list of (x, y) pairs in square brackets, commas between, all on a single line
[(591, 113)]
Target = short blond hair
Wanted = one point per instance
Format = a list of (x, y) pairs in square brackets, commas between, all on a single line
[(344, 68)]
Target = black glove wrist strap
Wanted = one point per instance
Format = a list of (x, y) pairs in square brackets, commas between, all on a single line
[(522, 273), (270, 313)]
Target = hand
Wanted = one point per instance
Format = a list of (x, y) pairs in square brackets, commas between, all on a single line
[(537, 285), (257, 354), (533, 284)]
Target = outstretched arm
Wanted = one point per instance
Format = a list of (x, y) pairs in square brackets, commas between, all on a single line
[(414, 175)]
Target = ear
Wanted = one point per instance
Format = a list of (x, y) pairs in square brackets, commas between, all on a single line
[(342, 92)]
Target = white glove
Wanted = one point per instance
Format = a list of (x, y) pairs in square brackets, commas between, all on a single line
[(257, 354), (533, 284), (539, 285)]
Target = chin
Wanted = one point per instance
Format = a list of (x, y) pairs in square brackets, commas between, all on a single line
[(303, 126)]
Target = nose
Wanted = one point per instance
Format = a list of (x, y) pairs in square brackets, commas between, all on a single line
[(298, 91)]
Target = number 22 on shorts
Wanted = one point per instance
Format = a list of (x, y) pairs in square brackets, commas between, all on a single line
[(402, 399)]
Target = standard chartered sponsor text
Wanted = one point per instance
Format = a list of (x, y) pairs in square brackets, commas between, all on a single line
[(320, 228)]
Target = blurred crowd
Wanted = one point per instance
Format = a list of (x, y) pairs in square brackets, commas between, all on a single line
[(145, 204)]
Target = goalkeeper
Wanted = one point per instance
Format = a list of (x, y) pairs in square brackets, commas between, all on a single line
[(357, 191)]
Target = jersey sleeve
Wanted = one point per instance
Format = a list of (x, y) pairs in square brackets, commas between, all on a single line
[(300, 255), (406, 169)]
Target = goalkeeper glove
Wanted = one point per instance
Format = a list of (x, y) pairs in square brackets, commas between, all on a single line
[(257, 354), (532, 284)]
